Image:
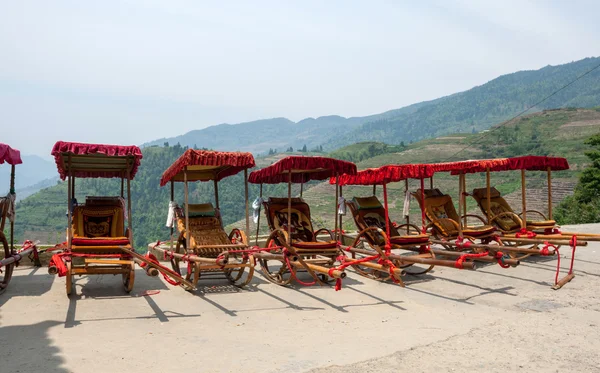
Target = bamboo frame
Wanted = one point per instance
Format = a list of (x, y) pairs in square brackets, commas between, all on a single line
[(549, 171), (246, 199), (337, 187), (523, 197), (258, 222), (187, 208), (489, 197)]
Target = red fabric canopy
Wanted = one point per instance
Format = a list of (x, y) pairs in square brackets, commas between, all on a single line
[(528, 162), (213, 165), (303, 169), (91, 160), (386, 174), (9, 155)]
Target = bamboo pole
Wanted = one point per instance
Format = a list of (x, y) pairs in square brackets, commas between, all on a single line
[(301, 189), (337, 183), (337, 212), (172, 200), (69, 214), (216, 184), (289, 212), (431, 182), (387, 215), (460, 192), (524, 197), (407, 217), (195, 258), (414, 259), (494, 248), (122, 185), (187, 208), (549, 193), (246, 199), (12, 191), (422, 205), (183, 282), (129, 223), (487, 259), (258, 222), (320, 269), (551, 239), (489, 197), (374, 189)]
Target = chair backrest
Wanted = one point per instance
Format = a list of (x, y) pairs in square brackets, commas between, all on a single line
[(438, 208), (369, 212), (3, 211), (98, 221), (205, 224), (276, 210), (497, 206)]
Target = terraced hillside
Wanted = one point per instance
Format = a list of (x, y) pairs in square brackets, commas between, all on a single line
[(551, 132)]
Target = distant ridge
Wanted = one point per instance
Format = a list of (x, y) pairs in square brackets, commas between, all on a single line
[(470, 111)]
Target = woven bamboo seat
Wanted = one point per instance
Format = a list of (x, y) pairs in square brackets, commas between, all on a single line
[(503, 216), (440, 211), (369, 212), (303, 237)]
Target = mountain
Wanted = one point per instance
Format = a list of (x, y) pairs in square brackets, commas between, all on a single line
[(261, 135), (476, 109), (32, 171)]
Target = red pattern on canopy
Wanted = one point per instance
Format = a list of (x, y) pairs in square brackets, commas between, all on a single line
[(231, 163), (81, 149), (528, 162), (386, 174), (303, 169), (9, 155)]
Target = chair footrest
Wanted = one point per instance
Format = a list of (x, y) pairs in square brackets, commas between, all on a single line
[(108, 261)]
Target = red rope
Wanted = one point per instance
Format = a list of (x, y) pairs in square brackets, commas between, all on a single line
[(500, 259), (292, 273), (573, 244), (459, 262), (152, 258), (461, 243), (525, 233)]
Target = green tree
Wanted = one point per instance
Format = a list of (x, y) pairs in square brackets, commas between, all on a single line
[(584, 205)]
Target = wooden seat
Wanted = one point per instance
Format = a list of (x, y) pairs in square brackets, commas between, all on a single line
[(440, 211), (303, 236), (369, 212)]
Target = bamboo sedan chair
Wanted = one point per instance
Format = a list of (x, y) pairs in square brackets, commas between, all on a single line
[(7, 212), (96, 232), (517, 228), (203, 242), (293, 242), (99, 232), (389, 250)]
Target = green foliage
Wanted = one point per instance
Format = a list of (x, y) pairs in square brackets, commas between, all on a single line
[(584, 205), (364, 150)]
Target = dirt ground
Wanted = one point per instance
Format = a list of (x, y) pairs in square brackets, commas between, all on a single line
[(489, 320)]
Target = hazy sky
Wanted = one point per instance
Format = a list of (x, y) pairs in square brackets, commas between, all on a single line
[(133, 71)]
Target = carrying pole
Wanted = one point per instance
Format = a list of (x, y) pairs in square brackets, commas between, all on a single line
[(337, 212)]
